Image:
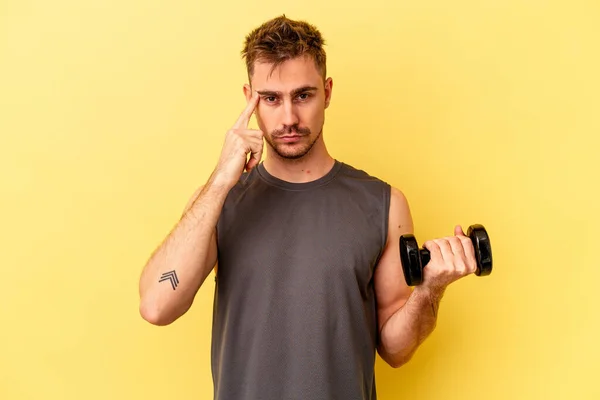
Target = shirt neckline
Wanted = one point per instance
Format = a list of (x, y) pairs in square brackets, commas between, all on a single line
[(272, 180)]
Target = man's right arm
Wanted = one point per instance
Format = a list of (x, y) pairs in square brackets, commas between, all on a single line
[(180, 265)]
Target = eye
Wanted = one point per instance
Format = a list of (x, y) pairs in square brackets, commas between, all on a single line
[(270, 99), (303, 96)]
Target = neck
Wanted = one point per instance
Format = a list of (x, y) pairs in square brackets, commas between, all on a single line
[(312, 166)]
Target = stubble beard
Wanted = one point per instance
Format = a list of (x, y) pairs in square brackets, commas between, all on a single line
[(294, 151)]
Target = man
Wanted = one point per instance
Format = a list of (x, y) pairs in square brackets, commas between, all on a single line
[(309, 283)]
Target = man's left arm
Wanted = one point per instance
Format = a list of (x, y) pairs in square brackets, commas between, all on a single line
[(407, 316)]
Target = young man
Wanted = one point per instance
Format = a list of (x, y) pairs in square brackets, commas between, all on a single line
[(309, 283)]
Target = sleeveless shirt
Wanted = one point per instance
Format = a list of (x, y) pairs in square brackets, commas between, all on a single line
[(295, 315)]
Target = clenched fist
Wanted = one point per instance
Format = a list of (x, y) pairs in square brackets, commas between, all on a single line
[(452, 258), (239, 142)]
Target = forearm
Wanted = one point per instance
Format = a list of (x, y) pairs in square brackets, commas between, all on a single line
[(184, 259), (408, 327)]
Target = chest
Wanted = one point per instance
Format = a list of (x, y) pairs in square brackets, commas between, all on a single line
[(295, 239)]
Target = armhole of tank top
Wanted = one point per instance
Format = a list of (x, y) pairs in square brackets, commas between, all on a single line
[(387, 193), (385, 219)]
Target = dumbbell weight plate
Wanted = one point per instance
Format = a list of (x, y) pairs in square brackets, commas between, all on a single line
[(483, 249), (411, 260)]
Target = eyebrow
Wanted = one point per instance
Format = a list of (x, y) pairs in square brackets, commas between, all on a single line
[(293, 93)]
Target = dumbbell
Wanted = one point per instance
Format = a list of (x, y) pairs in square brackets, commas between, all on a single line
[(414, 259)]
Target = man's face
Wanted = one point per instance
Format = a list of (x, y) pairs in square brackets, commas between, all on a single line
[(291, 108)]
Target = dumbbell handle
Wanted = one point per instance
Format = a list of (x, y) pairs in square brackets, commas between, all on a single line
[(425, 257)]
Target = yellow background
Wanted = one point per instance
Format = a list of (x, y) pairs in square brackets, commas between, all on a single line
[(113, 112)]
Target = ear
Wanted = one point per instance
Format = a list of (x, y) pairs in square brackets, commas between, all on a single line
[(247, 92), (328, 90)]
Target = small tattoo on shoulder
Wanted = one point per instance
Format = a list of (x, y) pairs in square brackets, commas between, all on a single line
[(170, 276)]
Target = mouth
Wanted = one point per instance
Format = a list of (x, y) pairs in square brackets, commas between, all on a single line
[(289, 138)]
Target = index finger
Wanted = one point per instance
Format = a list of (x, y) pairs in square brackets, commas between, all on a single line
[(244, 117)]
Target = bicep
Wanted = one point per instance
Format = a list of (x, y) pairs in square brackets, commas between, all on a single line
[(391, 289)]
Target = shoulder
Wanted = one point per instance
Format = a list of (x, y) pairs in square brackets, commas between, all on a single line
[(399, 215), (400, 219), (398, 198), (357, 172), (358, 177)]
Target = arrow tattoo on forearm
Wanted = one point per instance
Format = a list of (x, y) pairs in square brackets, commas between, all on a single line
[(170, 276)]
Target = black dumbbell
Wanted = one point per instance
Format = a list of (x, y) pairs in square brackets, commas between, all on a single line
[(414, 259)]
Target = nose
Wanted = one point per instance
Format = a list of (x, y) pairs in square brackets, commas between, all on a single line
[(289, 116)]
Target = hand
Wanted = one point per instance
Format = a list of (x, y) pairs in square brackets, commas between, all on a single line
[(451, 259), (239, 141)]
